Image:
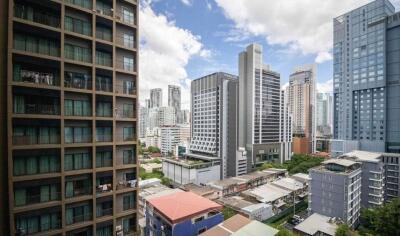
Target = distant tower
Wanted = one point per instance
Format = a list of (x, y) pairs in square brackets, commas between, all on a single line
[(155, 98), (174, 97)]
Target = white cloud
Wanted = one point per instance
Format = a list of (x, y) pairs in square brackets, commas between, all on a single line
[(305, 25), (209, 6), (325, 87), (187, 2), (284, 86), (165, 50)]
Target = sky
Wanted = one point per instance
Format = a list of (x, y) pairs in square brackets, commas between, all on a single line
[(182, 40)]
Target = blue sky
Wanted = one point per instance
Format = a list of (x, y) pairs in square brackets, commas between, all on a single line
[(182, 40)]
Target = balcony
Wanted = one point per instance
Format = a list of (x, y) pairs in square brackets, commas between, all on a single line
[(104, 210), (126, 40), (35, 105), (126, 179), (104, 8), (103, 58), (103, 84), (104, 182), (127, 88), (34, 76), (104, 159), (126, 16), (126, 64), (78, 135), (77, 161), (76, 187), (77, 80), (36, 163), (104, 109), (81, 3), (36, 194), (37, 15), (77, 107), (103, 33), (104, 134), (126, 202), (77, 53), (125, 134), (78, 26), (128, 157), (38, 222), (78, 214), (34, 44), (25, 135)]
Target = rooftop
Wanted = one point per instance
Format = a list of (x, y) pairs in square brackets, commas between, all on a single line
[(235, 202), (341, 162), (204, 191), (267, 193), (301, 177), (179, 206), (317, 223), (239, 225), (289, 184), (226, 182), (157, 191), (363, 156)]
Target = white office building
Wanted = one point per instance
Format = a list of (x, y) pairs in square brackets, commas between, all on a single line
[(285, 128)]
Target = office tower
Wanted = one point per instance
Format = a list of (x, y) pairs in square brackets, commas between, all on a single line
[(213, 134), (335, 190), (183, 117), (366, 86), (71, 117), (170, 138), (302, 107), (166, 116), (174, 97), (324, 114), (143, 121), (285, 128), (259, 101), (155, 98)]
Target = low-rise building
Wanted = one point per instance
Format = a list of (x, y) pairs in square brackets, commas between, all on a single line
[(204, 191), (316, 224), (335, 190), (228, 186), (241, 226), (292, 185), (182, 213), (191, 170), (150, 167), (270, 194), (253, 210)]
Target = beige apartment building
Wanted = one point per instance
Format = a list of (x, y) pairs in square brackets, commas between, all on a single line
[(68, 117)]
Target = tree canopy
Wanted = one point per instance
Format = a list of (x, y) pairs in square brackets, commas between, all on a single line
[(300, 163)]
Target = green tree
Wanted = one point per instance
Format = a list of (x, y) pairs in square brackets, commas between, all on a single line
[(284, 232), (383, 220), (153, 149), (344, 230)]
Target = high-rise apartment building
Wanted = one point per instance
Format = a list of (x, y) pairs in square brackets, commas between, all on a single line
[(259, 93), (71, 109), (155, 98), (366, 84), (302, 107), (174, 97), (170, 138), (335, 190), (183, 117), (143, 121), (285, 128), (324, 114), (166, 116)]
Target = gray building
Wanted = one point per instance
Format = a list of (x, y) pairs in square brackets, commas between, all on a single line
[(285, 128), (214, 118), (174, 97), (259, 93), (335, 190), (155, 98), (324, 114), (366, 82)]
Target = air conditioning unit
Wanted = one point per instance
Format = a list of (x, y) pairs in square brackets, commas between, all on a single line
[(118, 228)]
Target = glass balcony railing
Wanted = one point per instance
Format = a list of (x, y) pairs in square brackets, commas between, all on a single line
[(77, 80), (34, 77), (36, 15), (103, 84), (37, 45)]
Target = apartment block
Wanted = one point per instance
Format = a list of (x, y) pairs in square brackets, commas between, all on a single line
[(71, 117), (156, 98), (174, 97), (285, 128), (335, 190)]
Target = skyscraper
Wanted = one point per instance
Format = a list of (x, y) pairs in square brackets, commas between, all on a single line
[(155, 98), (71, 95), (302, 107), (324, 114), (285, 127), (259, 93), (214, 114), (174, 97), (366, 84)]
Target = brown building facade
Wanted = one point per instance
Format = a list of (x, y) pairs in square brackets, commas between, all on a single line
[(71, 115)]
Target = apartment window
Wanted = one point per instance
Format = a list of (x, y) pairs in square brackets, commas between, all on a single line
[(32, 164), (78, 214), (128, 157), (38, 223), (103, 134), (128, 133), (38, 45), (36, 194), (77, 53), (77, 108), (127, 16), (78, 186), (104, 109), (104, 159), (78, 26), (128, 40), (128, 225), (128, 63), (77, 134), (128, 201), (82, 3)]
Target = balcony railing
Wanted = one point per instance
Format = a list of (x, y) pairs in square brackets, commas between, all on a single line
[(35, 139), (126, 184), (38, 228), (125, 16), (39, 16), (38, 109), (125, 89), (104, 188), (126, 41), (78, 139), (104, 33), (37, 45), (79, 81), (104, 138), (126, 65), (35, 77), (104, 212), (78, 53), (39, 198), (125, 113), (78, 218), (105, 87), (82, 3), (76, 192), (129, 160)]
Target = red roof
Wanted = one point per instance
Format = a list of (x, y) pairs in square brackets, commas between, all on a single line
[(179, 206)]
